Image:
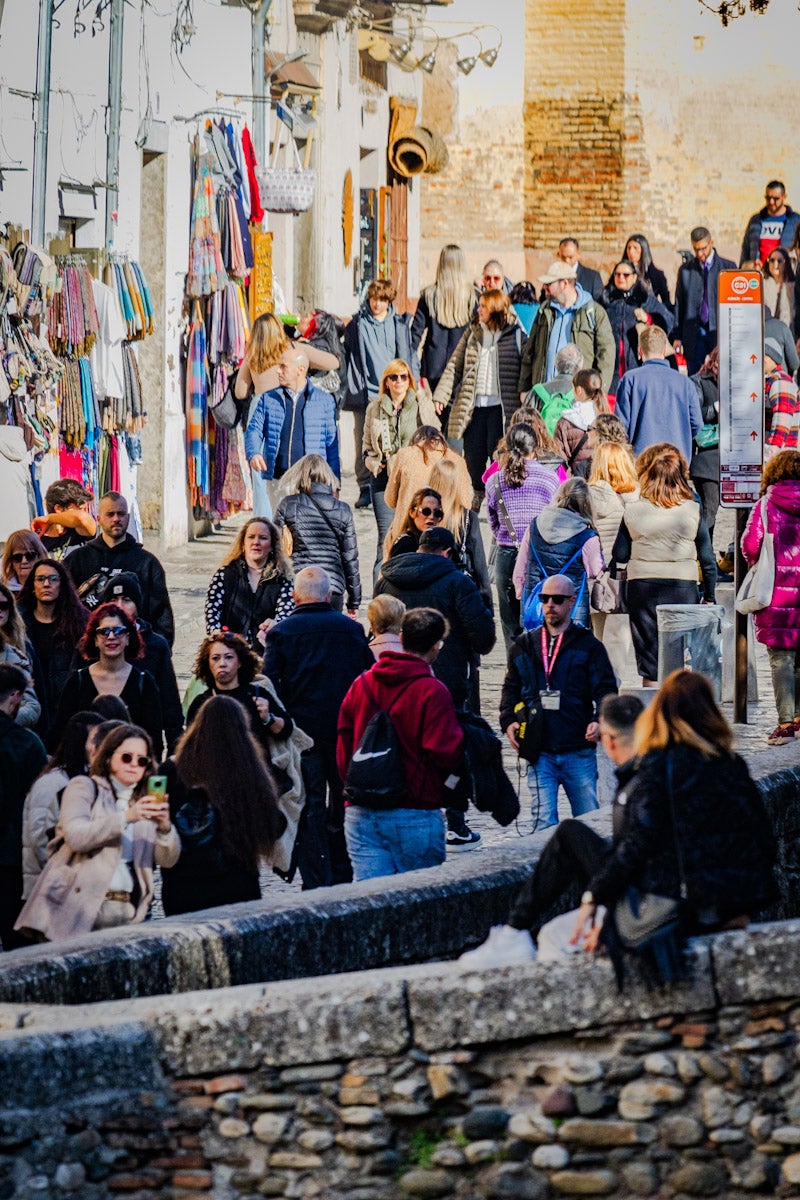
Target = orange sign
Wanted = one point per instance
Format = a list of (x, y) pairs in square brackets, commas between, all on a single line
[(740, 287), (741, 387)]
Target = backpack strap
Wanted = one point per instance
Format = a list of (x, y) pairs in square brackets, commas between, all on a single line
[(577, 450), (501, 504)]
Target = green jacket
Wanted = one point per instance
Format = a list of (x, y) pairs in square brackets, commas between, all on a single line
[(591, 332)]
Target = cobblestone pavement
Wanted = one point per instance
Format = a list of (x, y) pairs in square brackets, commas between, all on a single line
[(189, 569)]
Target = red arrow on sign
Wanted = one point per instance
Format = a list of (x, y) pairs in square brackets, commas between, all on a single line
[(754, 436), (753, 358), (754, 395)]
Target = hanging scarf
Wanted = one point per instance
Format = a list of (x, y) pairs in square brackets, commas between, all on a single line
[(197, 410), (397, 429)]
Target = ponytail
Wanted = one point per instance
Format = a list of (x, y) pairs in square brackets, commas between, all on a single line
[(592, 383)]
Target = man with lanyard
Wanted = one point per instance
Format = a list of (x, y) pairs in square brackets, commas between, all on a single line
[(570, 669)]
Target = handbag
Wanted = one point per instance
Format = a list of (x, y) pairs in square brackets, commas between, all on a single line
[(529, 713), (608, 594), (287, 189), (759, 582), (646, 921), (230, 410), (707, 437)]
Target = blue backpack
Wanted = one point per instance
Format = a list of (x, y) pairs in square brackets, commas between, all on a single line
[(532, 612)]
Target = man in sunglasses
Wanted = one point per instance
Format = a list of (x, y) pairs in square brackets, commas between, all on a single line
[(570, 670)]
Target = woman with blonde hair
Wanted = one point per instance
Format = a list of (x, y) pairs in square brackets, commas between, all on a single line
[(481, 381), (444, 311), (22, 549), (410, 470), (321, 529), (465, 527), (661, 539), (613, 484), (253, 587), (390, 422)]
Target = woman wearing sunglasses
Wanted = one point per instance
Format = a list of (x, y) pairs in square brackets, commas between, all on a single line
[(21, 551), (779, 286), (111, 645), (424, 511), (390, 422), (55, 620), (111, 836), (630, 305)]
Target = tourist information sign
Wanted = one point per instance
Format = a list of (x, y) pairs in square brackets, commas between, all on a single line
[(741, 387)]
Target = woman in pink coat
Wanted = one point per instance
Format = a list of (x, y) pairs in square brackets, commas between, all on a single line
[(778, 625)]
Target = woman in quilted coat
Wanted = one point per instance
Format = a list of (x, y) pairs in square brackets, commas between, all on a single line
[(778, 625)]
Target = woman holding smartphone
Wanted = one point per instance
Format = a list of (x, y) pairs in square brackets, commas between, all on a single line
[(109, 837)]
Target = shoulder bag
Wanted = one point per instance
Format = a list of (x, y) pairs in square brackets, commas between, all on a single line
[(759, 582), (529, 713), (501, 505), (608, 595), (648, 924)]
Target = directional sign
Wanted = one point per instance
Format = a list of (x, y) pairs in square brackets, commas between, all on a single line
[(741, 387)]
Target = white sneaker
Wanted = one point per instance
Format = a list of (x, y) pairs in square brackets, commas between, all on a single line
[(504, 947)]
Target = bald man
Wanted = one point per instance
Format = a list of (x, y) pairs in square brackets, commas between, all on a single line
[(292, 420)]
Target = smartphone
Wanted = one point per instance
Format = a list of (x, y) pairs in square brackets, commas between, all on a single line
[(157, 785)]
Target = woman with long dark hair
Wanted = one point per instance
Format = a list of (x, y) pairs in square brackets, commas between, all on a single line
[(253, 587), (224, 807), (111, 837), (43, 802), (779, 286), (55, 620), (111, 646), (637, 251)]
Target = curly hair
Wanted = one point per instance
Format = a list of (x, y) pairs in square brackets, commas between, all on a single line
[(88, 647), (784, 465), (69, 613), (249, 665)]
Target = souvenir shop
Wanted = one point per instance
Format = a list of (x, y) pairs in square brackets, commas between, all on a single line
[(229, 284), (71, 401)]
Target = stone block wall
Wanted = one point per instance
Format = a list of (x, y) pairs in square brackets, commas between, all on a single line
[(530, 1082)]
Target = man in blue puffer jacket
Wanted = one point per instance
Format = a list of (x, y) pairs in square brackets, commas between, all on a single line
[(291, 421)]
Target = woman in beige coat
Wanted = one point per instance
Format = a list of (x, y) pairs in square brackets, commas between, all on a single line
[(111, 836), (411, 469)]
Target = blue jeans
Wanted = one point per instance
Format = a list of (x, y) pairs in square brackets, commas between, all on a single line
[(577, 774), (390, 843), (383, 519)]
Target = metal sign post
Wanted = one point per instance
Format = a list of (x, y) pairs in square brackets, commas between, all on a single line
[(740, 325)]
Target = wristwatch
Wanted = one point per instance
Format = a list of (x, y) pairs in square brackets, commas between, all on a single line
[(587, 898), (270, 720)]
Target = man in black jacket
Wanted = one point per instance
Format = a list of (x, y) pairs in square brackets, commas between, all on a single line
[(696, 295), (570, 670), (22, 757), (431, 579), (114, 550), (124, 590), (312, 657)]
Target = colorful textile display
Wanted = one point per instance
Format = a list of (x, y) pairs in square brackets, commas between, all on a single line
[(72, 318), (206, 270), (197, 453)]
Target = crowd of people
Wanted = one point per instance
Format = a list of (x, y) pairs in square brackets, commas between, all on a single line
[(585, 418)]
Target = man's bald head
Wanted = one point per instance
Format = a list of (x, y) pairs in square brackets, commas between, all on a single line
[(293, 369)]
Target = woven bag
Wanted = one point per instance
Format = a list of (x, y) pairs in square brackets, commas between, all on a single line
[(287, 189)]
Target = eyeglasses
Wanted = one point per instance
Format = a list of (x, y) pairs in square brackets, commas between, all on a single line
[(624, 274), (493, 279), (398, 378), (554, 599), (24, 556), (431, 512), (47, 579), (5, 606), (779, 259), (129, 758), (224, 635), (112, 631)]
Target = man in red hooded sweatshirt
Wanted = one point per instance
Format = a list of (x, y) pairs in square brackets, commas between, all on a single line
[(383, 841)]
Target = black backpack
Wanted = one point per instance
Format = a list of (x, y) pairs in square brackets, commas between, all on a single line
[(376, 777)]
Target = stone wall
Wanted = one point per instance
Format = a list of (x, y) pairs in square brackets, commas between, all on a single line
[(531, 1082)]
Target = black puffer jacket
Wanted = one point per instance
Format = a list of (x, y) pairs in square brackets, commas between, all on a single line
[(429, 580), (323, 535), (724, 833)]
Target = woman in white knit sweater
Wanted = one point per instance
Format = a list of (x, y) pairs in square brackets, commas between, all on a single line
[(661, 539)]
